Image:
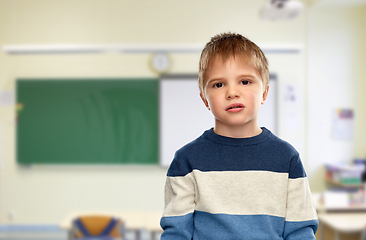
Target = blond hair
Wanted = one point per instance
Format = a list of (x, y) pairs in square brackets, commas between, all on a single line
[(228, 45)]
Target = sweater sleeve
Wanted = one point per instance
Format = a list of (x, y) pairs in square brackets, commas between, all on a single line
[(301, 220), (177, 220)]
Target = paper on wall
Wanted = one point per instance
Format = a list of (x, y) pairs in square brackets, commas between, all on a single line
[(6, 98), (292, 116), (342, 124)]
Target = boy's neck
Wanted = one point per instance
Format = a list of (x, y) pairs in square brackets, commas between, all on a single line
[(243, 131)]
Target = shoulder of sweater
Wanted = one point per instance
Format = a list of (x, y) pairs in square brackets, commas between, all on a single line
[(197, 143), (281, 144)]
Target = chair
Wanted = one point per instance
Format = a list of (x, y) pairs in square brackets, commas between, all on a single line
[(97, 227)]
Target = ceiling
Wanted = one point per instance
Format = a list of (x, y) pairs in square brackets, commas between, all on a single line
[(340, 3)]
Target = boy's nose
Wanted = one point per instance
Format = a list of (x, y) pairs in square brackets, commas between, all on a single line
[(232, 93)]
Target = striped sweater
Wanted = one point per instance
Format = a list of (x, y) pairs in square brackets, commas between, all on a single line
[(237, 188)]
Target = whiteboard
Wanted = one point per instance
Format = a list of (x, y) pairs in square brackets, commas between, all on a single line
[(184, 117)]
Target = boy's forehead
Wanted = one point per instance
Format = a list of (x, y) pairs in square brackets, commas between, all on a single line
[(222, 59)]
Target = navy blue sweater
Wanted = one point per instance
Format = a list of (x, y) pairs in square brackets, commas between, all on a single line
[(238, 188)]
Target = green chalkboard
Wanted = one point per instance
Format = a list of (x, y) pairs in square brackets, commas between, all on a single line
[(87, 121)]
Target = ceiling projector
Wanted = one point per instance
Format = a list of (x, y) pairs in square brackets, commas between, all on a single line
[(281, 9)]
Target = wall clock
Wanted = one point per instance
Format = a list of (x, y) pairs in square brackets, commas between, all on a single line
[(160, 63)]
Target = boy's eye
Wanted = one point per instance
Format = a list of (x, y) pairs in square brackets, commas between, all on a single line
[(218, 85), (245, 82)]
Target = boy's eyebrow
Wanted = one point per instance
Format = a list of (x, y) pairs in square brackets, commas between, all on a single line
[(249, 75), (214, 80), (240, 76)]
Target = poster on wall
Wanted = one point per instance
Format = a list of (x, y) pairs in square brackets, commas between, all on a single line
[(342, 124)]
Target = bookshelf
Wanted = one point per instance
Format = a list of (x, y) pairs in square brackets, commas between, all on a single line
[(339, 184)]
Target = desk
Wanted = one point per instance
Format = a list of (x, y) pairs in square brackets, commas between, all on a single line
[(347, 222), (342, 223), (134, 220)]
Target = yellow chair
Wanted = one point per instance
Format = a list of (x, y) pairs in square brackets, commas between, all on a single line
[(97, 227)]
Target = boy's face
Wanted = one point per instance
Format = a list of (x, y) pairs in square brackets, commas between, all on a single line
[(234, 92)]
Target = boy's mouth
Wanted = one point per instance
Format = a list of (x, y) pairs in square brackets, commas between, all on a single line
[(235, 107)]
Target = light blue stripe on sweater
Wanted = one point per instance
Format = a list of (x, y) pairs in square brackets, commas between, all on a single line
[(224, 226), (177, 228), (301, 229), (210, 226)]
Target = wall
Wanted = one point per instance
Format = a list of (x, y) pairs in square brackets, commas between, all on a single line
[(336, 79), (46, 194)]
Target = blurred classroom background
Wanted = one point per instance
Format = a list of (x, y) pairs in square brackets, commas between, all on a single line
[(317, 53)]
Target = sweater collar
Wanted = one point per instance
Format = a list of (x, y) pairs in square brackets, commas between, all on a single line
[(264, 135)]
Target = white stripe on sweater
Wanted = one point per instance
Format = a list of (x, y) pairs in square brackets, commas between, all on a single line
[(239, 193)]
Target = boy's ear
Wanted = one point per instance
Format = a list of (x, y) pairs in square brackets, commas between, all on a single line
[(265, 94), (204, 101)]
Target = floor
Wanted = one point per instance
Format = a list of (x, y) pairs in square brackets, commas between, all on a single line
[(49, 232)]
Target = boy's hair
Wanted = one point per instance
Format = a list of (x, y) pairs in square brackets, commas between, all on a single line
[(228, 45)]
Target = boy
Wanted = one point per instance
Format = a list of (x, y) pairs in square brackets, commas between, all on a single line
[(237, 180)]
